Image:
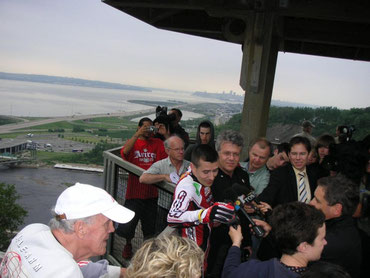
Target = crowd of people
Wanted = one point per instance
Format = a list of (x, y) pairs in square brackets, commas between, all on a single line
[(297, 209)]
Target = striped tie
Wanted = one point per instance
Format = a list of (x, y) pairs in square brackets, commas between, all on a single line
[(302, 188)]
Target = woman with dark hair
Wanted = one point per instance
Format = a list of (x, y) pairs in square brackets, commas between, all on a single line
[(322, 145), (299, 230)]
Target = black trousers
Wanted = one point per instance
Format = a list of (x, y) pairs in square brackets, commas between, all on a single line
[(145, 211)]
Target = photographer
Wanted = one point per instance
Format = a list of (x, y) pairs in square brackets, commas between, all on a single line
[(162, 127), (172, 118), (299, 230), (142, 150)]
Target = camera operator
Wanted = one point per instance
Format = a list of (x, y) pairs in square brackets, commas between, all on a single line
[(162, 127), (175, 115), (299, 230)]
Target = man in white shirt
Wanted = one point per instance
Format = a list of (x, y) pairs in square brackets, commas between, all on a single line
[(84, 216)]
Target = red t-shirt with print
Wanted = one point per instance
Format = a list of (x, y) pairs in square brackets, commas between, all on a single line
[(143, 154)]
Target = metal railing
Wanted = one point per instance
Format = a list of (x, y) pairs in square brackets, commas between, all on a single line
[(116, 172)]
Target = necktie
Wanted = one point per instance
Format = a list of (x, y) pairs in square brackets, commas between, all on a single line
[(302, 188)]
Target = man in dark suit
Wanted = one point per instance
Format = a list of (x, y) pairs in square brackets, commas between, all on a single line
[(296, 181)]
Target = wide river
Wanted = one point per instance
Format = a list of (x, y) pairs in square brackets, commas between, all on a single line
[(20, 98), (40, 188)]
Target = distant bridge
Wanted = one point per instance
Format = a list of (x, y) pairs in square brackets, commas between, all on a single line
[(13, 161)]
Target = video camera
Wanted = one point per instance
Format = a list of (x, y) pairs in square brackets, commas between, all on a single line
[(348, 158), (345, 132), (162, 111)]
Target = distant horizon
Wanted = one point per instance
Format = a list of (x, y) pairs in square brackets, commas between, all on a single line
[(94, 41), (288, 103)]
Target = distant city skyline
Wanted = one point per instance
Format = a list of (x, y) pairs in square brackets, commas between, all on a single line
[(90, 40)]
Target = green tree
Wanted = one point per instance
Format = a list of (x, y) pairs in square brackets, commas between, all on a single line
[(11, 214), (78, 129)]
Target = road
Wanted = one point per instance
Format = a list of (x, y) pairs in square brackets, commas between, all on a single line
[(11, 127)]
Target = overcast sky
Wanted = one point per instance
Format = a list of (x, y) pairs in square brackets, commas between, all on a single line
[(89, 39)]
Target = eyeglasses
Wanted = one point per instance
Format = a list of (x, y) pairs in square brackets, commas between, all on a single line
[(177, 149)]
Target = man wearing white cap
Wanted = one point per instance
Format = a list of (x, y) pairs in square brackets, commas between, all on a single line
[(84, 216)]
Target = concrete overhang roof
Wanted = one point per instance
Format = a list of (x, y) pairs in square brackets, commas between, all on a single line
[(331, 28)]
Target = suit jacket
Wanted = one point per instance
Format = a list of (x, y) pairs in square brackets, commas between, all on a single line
[(282, 187)]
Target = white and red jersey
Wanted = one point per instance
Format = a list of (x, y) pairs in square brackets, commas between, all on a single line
[(190, 198)]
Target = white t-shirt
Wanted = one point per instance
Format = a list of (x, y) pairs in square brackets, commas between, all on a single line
[(34, 252)]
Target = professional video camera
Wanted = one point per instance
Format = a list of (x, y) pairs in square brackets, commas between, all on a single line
[(345, 133), (348, 158), (162, 111)]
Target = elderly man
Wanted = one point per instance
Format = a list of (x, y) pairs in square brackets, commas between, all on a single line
[(83, 220), (337, 197), (171, 168), (259, 153)]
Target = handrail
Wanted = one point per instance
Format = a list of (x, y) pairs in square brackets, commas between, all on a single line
[(116, 171)]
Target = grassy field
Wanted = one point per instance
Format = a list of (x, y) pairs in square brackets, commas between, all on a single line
[(53, 157)]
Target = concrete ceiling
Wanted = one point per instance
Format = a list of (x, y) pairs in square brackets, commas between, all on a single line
[(331, 28)]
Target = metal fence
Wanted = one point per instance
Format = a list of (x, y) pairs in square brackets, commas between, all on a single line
[(116, 173)]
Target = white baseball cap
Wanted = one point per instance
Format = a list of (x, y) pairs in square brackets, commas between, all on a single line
[(84, 200)]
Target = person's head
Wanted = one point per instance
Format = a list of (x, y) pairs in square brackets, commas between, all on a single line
[(300, 147), (174, 147), (325, 270), (307, 126), (204, 164), (322, 145), (162, 123), (84, 215), (177, 112), (259, 153), (147, 123), (229, 145), (205, 132), (167, 256), (299, 228), (280, 156), (313, 157), (336, 196)]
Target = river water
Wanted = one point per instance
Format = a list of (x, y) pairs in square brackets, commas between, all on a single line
[(20, 98), (40, 188)]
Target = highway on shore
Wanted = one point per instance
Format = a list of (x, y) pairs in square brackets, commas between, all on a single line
[(13, 127)]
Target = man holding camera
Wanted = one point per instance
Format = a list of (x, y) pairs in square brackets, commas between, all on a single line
[(142, 150)]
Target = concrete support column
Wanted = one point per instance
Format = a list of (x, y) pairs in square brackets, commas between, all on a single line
[(260, 51)]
